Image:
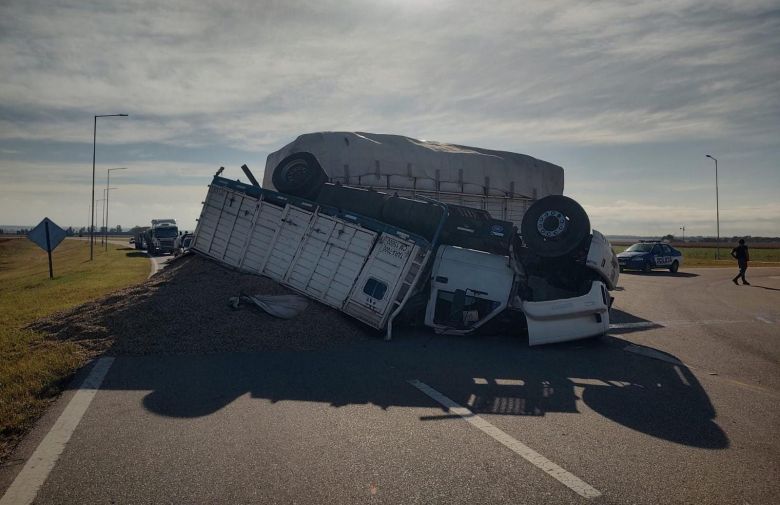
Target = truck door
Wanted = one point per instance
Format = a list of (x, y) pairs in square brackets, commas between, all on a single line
[(380, 279), (209, 218), (292, 227), (329, 260), (266, 223)]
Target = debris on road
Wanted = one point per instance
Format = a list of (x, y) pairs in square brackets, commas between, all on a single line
[(182, 310), (281, 306)]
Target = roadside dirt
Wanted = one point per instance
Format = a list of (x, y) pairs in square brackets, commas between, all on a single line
[(184, 309)]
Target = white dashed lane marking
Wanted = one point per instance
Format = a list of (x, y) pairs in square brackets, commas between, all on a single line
[(566, 478)]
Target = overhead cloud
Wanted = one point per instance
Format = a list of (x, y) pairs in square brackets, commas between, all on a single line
[(537, 77), (254, 73)]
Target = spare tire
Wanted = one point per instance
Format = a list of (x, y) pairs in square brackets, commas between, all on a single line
[(299, 174), (554, 226)]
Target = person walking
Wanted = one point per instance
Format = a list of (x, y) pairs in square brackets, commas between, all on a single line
[(741, 254)]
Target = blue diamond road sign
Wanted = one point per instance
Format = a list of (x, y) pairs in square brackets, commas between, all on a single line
[(38, 235)]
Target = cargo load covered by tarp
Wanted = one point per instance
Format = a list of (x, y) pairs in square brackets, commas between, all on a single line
[(503, 183)]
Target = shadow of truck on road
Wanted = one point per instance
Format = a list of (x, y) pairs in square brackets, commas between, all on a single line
[(490, 375), (176, 337)]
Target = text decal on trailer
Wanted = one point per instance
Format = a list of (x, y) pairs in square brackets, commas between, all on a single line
[(394, 248)]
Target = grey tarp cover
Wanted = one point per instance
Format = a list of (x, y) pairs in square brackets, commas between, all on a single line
[(395, 161)]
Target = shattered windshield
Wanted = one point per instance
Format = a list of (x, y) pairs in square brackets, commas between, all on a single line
[(640, 248)]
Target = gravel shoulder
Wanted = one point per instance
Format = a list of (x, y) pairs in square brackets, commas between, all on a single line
[(184, 310)]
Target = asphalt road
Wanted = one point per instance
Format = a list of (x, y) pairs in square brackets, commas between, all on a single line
[(679, 404)]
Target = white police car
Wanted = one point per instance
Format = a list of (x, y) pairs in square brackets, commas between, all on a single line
[(646, 256)]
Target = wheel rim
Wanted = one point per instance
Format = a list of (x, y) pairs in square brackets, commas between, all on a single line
[(295, 173), (551, 224)]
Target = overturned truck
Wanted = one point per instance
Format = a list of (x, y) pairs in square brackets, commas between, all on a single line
[(387, 228)]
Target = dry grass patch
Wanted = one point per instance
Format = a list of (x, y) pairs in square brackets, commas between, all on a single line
[(33, 368)]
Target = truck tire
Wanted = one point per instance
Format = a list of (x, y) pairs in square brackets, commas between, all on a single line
[(300, 175), (554, 226)]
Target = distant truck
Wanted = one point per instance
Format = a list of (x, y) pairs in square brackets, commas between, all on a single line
[(380, 256), (138, 239), (160, 238)]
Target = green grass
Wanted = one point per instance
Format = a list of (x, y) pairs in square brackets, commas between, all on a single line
[(705, 256), (33, 369)]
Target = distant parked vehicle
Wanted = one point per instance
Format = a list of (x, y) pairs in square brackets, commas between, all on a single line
[(138, 238), (182, 244), (647, 256)]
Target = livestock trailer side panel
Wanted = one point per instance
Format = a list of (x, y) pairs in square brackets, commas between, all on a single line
[(364, 272)]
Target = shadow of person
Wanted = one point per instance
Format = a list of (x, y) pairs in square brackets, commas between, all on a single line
[(765, 287)]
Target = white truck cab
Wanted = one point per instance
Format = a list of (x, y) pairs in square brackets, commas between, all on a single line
[(468, 289)]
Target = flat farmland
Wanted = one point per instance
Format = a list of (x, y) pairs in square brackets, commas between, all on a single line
[(701, 255)]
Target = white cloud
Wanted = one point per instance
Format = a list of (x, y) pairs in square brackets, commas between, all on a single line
[(547, 75), (583, 73)]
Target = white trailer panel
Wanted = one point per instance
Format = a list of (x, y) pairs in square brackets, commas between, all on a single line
[(363, 272)]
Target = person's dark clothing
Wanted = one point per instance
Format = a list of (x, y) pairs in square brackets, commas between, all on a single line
[(741, 254)]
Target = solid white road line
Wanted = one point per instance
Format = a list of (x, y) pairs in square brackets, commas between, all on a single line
[(569, 480), (155, 267), (23, 489), (763, 319)]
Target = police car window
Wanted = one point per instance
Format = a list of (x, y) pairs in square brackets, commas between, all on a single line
[(640, 248), (667, 250), (657, 249)]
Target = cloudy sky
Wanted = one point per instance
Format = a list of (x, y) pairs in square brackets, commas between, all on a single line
[(627, 96)]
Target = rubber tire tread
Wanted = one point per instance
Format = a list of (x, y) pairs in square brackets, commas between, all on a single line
[(578, 229), (309, 185)]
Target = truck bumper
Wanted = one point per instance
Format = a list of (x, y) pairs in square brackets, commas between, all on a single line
[(568, 319)]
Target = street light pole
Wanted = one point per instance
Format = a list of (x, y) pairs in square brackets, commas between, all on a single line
[(108, 180), (103, 202), (717, 210), (105, 216), (92, 213), (683, 230)]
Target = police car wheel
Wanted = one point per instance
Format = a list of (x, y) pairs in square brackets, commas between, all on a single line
[(554, 226), (675, 266)]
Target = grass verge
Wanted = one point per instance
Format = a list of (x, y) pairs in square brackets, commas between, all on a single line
[(34, 369), (705, 256)]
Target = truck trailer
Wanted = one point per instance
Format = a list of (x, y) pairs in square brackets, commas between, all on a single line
[(381, 257)]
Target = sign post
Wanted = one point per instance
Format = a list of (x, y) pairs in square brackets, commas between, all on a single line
[(47, 235)]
